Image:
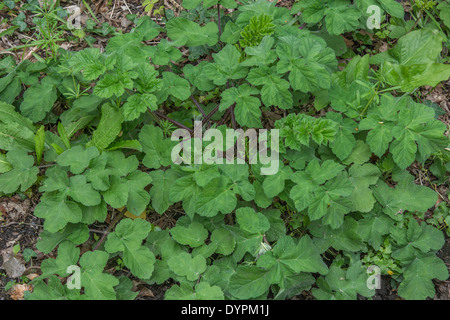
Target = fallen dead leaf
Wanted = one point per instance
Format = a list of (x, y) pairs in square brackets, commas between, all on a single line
[(146, 292), (143, 215), (17, 291), (32, 276), (13, 266)]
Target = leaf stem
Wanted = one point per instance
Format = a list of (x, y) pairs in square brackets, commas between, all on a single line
[(218, 20), (176, 123), (369, 102), (211, 114), (110, 227), (225, 116), (419, 16), (198, 106), (233, 119)]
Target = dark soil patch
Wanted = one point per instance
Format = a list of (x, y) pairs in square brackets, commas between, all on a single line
[(18, 226)]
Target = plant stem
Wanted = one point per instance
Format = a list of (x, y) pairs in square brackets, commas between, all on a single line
[(370, 101), (211, 113), (176, 123), (233, 120), (46, 165), (419, 16), (110, 227), (218, 20), (198, 106), (225, 116)]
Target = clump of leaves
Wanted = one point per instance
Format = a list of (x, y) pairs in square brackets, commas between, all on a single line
[(98, 124)]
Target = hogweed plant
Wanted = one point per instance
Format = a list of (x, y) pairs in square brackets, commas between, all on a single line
[(94, 133)]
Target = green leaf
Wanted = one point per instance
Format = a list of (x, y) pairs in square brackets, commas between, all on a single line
[(308, 61), (165, 52), (274, 184), (343, 238), (344, 141), (16, 131), (193, 236), (418, 125), (157, 149), (57, 212), (77, 158), (5, 166), (38, 101), (392, 7), (82, 192), (407, 196), (97, 285), (288, 258), (39, 141), (231, 33), (138, 104), (412, 62), (23, 174), (109, 127), (341, 18), (138, 197), (308, 182), (127, 238), (216, 197), (203, 291), (195, 75), (444, 13), (251, 221), (416, 240), (249, 282), (417, 47), (159, 193), (275, 91), (224, 240), (189, 33), (191, 4), (68, 254), (77, 233), (175, 86), (148, 28), (342, 284), (124, 289), (418, 284), (262, 54), (415, 76), (91, 62), (360, 154), (63, 135), (362, 177), (184, 265), (299, 129), (247, 109), (373, 227), (53, 290), (113, 84), (147, 81), (226, 66), (125, 144)]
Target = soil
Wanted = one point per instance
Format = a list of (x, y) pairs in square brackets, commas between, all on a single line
[(18, 225)]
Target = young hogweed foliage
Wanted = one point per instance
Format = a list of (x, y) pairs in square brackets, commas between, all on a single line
[(254, 32), (342, 188)]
